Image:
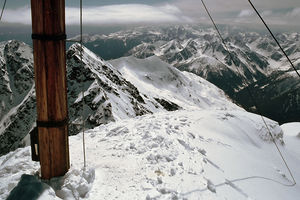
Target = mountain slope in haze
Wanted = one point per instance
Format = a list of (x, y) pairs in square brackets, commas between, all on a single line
[(280, 88)]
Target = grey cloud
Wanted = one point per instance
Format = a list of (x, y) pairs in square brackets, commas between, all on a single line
[(240, 12), (294, 13), (19, 15), (128, 13), (183, 11), (246, 13), (112, 14)]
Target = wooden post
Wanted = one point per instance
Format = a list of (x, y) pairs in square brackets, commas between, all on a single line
[(48, 34)]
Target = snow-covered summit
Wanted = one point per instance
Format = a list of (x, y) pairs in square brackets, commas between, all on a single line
[(156, 78), (200, 154), (136, 87)]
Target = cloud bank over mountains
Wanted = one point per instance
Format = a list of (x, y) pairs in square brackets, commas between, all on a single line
[(111, 14), (234, 12)]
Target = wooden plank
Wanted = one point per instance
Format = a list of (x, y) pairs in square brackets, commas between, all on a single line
[(48, 18), (58, 139)]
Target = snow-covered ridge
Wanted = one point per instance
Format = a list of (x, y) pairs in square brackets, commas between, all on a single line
[(172, 155), (109, 95), (156, 78)]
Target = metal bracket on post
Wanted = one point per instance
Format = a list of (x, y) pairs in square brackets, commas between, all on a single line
[(34, 141), (49, 37), (52, 124)]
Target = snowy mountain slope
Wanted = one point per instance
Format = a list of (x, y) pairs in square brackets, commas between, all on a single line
[(107, 95), (172, 155), (16, 73), (17, 94), (280, 88), (289, 42), (160, 80), (291, 129), (131, 87), (103, 89)]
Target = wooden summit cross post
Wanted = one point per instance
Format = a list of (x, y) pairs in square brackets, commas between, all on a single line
[(48, 34)]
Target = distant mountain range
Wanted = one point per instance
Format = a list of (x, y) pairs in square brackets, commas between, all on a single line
[(197, 50), (136, 87), (148, 80)]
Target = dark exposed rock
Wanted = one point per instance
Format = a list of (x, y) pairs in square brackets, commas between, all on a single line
[(169, 106)]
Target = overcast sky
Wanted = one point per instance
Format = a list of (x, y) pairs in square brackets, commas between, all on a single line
[(96, 12)]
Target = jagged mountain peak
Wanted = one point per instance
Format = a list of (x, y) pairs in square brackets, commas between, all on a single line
[(16, 73)]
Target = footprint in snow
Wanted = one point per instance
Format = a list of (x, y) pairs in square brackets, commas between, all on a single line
[(183, 119), (281, 173), (236, 188), (206, 160), (191, 135), (211, 186), (185, 145)]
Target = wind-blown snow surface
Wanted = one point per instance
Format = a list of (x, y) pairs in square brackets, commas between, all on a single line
[(156, 78), (185, 154)]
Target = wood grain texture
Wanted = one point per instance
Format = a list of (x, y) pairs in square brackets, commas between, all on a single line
[(48, 18)]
